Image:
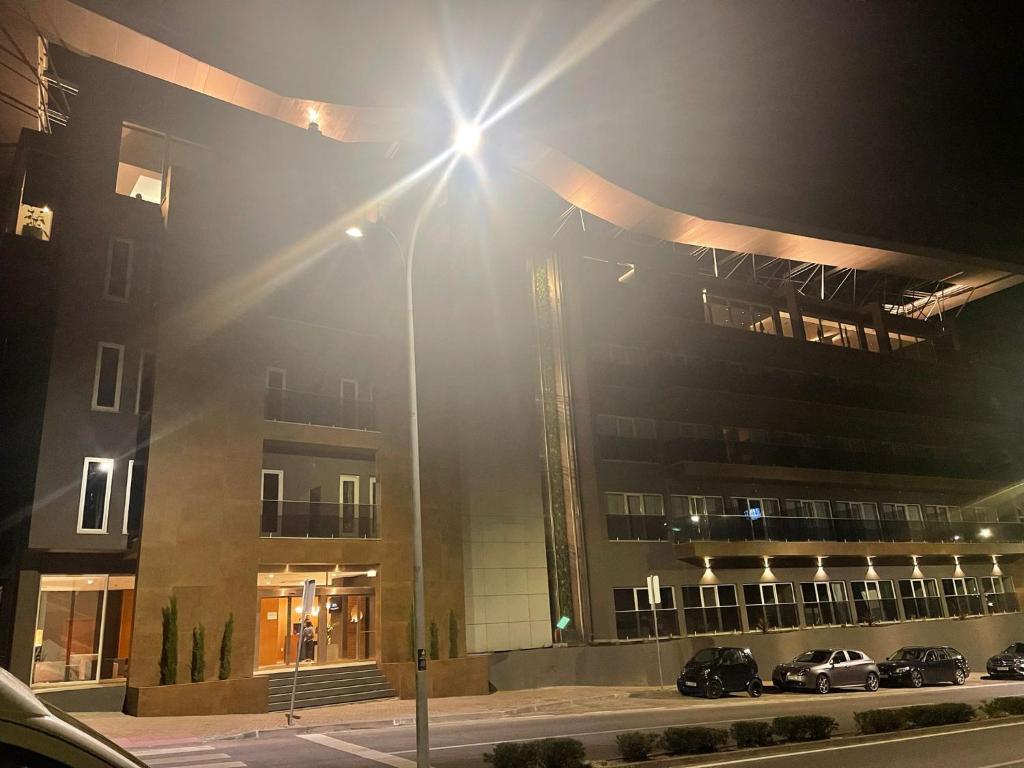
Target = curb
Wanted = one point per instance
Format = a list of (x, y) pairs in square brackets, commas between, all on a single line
[(799, 746)]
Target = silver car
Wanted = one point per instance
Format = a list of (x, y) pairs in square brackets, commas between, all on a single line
[(823, 669)]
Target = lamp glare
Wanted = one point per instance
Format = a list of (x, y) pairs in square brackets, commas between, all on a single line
[(467, 138), (354, 232)]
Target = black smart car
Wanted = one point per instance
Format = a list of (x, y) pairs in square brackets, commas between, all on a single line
[(1009, 663), (714, 672), (920, 665)]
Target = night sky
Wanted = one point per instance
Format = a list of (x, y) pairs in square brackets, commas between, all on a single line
[(896, 120)]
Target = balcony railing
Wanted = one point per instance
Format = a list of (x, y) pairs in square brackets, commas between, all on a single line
[(322, 410), (319, 520), (637, 527), (876, 611), (772, 528), (711, 621), (1001, 602)]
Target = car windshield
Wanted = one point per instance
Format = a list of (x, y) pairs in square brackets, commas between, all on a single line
[(706, 656), (1015, 648), (908, 654), (814, 657), (60, 714)]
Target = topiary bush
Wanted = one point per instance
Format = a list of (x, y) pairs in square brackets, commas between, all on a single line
[(751, 733), (453, 636), (560, 753), (225, 648), (694, 740), (880, 720), (635, 746), (804, 727), (169, 643), (513, 754), (197, 670), (1003, 706), (926, 715)]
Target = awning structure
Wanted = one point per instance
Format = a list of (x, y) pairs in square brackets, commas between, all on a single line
[(963, 278)]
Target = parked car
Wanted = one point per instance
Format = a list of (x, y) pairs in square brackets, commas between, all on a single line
[(34, 733), (713, 672), (920, 665), (823, 669), (1009, 663)]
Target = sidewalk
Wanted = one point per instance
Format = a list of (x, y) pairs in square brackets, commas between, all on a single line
[(136, 732)]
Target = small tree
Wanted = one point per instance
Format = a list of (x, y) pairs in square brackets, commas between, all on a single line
[(198, 667), (435, 641), (169, 643), (225, 648), (453, 636)]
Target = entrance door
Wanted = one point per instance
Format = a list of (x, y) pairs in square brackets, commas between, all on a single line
[(348, 495), (345, 628), (273, 628)]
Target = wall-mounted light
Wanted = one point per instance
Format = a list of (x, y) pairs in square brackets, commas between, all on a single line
[(871, 572), (313, 115), (985, 533), (766, 574), (957, 570), (821, 574), (917, 574), (996, 570)]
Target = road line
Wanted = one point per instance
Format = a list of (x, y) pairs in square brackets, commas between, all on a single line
[(228, 764), (168, 751), (1002, 765), (358, 751), (180, 759)]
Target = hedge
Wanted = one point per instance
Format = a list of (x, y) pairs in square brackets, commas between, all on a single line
[(635, 746), (920, 716), (751, 733), (804, 727), (693, 741), (1004, 706), (513, 754), (560, 753)]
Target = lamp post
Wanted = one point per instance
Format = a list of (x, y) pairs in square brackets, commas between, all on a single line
[(467, 140)]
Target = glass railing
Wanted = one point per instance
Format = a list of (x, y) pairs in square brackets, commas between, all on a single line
[(826, 614), (767, 617), (322, 410), (876, 611), (921, 608), (712, 621), (779, 528), (1001, 602), (319, 520), (963, 605), (637, 527)]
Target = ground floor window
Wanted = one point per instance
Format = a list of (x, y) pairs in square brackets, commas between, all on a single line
[(961, 596), (711, 610), (770, 606), (999, 594), (920, 598), (633, 617), (874, 601), (825, 603), (83, 629)]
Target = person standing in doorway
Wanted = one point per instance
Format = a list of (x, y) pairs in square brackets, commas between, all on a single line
[(307, 641)]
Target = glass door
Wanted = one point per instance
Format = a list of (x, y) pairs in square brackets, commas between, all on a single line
[(345, 633)]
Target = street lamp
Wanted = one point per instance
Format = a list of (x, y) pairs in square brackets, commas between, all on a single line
[(467, 138)]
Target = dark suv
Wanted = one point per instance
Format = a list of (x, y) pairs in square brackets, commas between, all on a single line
[(1009, 663), (714, 672), (919, 665)]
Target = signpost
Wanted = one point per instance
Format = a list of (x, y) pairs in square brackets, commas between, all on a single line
[(654, 598), (308, 595)]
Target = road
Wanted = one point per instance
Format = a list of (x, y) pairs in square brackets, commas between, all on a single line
[(459, 744)]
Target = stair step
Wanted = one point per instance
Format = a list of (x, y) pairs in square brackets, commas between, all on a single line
[(331, 699), (319, 693), (327, 682), (335, 674)]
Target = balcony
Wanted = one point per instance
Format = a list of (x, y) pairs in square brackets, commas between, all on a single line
[(637, 527), (297, 407), (318, 520), (744, 528)]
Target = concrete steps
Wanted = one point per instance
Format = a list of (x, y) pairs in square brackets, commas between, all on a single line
[(319, 687)]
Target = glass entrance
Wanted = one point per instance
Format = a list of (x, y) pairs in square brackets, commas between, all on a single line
[(346, 628)]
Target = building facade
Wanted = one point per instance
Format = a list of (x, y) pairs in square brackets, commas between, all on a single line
[(206, 380)]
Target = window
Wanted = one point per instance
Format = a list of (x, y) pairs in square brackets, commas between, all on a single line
[(735, 313), (941, 513), (825, 603), (871, 337), (626, 426), (106, 387), (874, 601), (83, 629), (755, 509), (710, 610), (135, 497), (128, 495), (373, 491), (117, 284), (770, 606), (916, 347), (856, 510), (901, 512), (272, 495), (806, 508), (144, 393), (785, 324), (961, 596), (920, 598), (146, 157), (636, 517), (689, 506), (633, 614), (94, 500), (634, 504), (835, 332), (999, 594)]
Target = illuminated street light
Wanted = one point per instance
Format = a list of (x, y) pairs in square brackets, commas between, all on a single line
[(985, 533), (467, 138), (354, 232)]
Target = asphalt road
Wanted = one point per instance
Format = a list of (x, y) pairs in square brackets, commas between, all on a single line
[(458, 744)]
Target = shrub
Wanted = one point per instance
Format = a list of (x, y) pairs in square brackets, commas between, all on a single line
[(169, 643), (693, 741), (197, 670), (635, 746), (1004, 706), (751, 733), (225, 648), (880, 720), (925, 715), (560, 753), (513, 754), (804, 727), (435, 642), (453, 636)]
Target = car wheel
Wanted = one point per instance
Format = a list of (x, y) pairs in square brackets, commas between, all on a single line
[(871, 684), (713, 688), (755, 688), (824, 685), (959, 678), (916, 680)]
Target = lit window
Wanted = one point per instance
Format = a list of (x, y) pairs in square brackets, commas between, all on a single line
[(920, 598), (146, 158), (106, 389), (770, 606), (825, 603), (120, 257), (94, 499), (633, 614), (711, 609)]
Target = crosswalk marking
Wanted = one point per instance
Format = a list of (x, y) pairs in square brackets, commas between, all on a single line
[(168, 751), (194, 758), (355, 749), (187, 757)]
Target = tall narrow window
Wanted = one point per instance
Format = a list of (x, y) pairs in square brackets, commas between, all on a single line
[(144, 393), (140, 168), (373, 491), (94, 499), (106, 391), (120, 262), (348, 496), (128, 495), (271, 522)]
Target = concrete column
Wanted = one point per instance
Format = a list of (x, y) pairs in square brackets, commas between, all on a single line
[(878, 322), (795, 315)]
